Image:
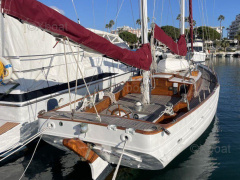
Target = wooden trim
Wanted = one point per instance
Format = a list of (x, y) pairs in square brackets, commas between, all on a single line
[(81, 149), (7, 126)]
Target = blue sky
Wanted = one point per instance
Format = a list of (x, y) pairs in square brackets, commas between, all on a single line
[(96, 13)]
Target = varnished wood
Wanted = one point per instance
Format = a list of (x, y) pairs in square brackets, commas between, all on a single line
[(81, 149)]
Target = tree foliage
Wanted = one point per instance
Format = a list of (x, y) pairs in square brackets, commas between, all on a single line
[(237, 36), (171, 31), (207, 33), (225, 44), (138, 21), (109, 25), (128, 37)]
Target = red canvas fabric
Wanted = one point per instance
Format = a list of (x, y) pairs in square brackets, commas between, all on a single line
[(179, 48), (191, 22), (39, 15)]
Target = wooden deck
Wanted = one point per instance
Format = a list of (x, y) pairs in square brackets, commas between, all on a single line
[(7, 126), (154, 109), (90, 118)]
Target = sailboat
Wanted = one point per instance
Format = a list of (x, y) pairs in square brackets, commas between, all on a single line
[(34, 64), (142, 123)]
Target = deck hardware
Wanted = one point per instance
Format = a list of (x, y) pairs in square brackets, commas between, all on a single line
[(184, 98), (41, 112), (60, 100), (135, 116), (138, 106), (60, 123), (166, 131), (130, 131), (51, 125), (175, 88), (84, 128), (112, 127), (169, 109), (126, 137), (179, 140)]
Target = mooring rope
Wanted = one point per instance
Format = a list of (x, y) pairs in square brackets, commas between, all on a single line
[(31, 157), (119, 162)]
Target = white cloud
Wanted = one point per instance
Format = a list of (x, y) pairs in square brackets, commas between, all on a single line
[(58, 10)]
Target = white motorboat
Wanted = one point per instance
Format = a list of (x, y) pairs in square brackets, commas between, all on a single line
[(39, 69), (198, 55)]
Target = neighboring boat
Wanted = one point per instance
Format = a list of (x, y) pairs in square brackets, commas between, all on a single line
[(33, 74), (197, 55), (236, 54), (132, 123), (229, 54), (220, 55)]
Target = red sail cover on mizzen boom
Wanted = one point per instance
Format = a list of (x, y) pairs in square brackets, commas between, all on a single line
[(39, 15), (179, 48)]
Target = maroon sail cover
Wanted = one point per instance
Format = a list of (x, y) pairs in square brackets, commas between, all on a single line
[(179, 48), (44, 17)]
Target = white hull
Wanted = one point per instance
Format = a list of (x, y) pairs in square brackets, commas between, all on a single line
[(143, 151)]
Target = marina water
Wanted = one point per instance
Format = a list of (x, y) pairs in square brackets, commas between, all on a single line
[(215, 155)]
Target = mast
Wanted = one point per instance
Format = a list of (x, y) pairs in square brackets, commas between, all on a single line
[(146, 74), (182, 25), (191, 22)]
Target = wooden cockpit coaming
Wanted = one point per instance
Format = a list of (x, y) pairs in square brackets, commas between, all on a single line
[(180, 108)]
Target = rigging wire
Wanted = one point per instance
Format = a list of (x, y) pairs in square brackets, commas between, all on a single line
[(132, 14), (154, 7), (85, 83), (175, 33), (76, 11), (161, 13), (205, 19), (105, 17), (119, 10), (94, 24), (69, 88), (201, 19), (213, 14), (76, 82)]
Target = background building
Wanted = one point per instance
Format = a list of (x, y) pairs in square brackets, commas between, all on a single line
[(129, 29), (234, 28)]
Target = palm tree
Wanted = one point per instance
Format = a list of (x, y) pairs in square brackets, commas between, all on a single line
[(237, 37), (138, 22), (194, 23), (148, 19), (107, 26), (221, 18), (225, 44), (178, 17), (111, 24)]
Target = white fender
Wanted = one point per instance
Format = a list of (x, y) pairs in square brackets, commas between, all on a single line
[(8, 71)]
